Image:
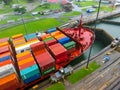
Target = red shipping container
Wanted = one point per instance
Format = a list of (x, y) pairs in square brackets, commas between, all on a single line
[(24, 57), (37, 46), (32, 39), (45, 61), (20, 38), (51, 42), (5, 54), (57, 49), (40, 52), (5, 62), (4, 40), (23, 66), (4, 49)]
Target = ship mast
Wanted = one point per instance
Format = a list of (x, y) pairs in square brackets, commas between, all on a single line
[(94, 29), (80, 25)]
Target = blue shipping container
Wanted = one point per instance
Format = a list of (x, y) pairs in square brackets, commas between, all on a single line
[(28, 72), (5, 58), (64, 40), (32, 78), (30, 36), (51, 30)]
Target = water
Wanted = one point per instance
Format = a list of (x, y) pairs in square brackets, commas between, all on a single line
[(117, 19), (97, 46)]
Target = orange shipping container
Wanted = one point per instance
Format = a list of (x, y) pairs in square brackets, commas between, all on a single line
[(60, 36), (21, 62), (55, 33), (17, 36), (5, 54), (23, 54), (4, 44), (8, 81), (5, 62), (45, 36), (24, 57)]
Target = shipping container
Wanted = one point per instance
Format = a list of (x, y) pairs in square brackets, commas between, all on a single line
[(41, 51), (5, 58), (23, 54), (51, 30), (25, 65), (45, 36), (6, 62), (17, 36), (28, 80), (6, 70), (45, 61), (2, 40), (30, 36), (29, 72), (37, 46), (70, 45), (51, 42), (59, 52), (48, 39), (55, 33), (7, 82), (59, 36), (21, 62), (24, 57), (4, 44), (64, 40), (4, 49)]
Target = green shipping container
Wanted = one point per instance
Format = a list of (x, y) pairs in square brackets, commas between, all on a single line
[(48, 71), (48, 39), (70, 45)]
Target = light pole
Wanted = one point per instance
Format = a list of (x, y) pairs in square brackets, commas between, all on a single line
[(89, 55)]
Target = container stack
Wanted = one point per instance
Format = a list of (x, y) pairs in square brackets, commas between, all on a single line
[(51, 30), (23, 46), (29, 70), (8, 75), (18, 39), (59, 52), (45, 61), (70, 46), (30, 37)]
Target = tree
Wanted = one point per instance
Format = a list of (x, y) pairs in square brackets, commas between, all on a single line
[(20, 10), (30, 0), (67, 7), (7, 1)]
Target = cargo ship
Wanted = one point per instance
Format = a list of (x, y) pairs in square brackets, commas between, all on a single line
[(26, 60)]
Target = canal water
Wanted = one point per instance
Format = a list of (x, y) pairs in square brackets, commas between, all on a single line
[(113, 30)]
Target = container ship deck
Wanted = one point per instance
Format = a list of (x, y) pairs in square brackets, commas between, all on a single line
[(26, 60)]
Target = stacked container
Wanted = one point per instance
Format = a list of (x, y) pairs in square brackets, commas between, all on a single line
[(29, 70), (8, 76), (30, 36), (45, 61), (18, 39), (70, 46), (51, 30), (59, 52), (26, 46)]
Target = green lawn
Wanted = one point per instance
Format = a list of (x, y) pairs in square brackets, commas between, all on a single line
[(51, 7), (56, 86), (106, 8), (86, 3), (80, 74), (39, 25), (6, 9), (73, 13)]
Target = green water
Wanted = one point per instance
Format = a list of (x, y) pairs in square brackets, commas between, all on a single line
[(97, 46)]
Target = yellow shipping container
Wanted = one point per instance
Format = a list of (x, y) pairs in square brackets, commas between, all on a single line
[(16, 36)]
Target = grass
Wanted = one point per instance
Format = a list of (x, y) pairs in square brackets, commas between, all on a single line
[(73, 13), (56, 86), (80, 74), (39, 25), (106, 8), (51, 7), (6, 9), (86, 3)]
